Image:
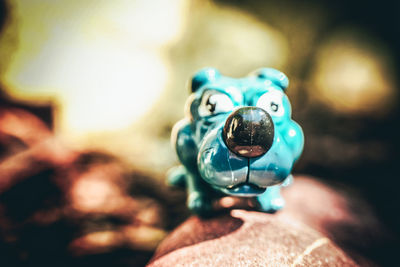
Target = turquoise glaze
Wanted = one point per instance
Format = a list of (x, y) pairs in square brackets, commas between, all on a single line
[(237, 139)]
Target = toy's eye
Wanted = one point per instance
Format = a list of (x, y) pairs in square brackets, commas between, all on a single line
[(214, 102), (272, 103)]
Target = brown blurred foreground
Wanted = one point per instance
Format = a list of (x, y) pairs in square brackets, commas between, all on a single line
[(60, 207)]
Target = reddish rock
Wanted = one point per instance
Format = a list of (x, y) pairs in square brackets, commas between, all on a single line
[(318, 227), (246, 238)]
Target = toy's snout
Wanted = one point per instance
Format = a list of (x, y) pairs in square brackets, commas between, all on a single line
[(249, 132)]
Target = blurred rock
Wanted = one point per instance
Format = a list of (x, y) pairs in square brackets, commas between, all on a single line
[(63, 207), (19, 129)]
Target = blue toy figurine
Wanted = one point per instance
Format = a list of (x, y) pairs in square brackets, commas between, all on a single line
[(237, 139)]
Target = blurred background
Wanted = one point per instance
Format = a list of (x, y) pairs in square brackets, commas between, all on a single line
[(91, 89)]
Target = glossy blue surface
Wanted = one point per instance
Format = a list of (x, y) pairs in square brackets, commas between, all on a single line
[(228, 144)]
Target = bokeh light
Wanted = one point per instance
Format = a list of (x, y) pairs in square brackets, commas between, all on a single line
[(102, 62), (354, 74)]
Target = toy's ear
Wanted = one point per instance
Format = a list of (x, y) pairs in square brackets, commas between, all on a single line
[(204, 76), (277, 77)]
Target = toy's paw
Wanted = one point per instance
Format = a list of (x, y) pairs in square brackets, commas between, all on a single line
[(198, 204), (272, 205), (271, 201), (288, 181), (177, 176)]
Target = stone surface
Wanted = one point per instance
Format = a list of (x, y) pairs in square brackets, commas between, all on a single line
[(318, 227), (246, 238)]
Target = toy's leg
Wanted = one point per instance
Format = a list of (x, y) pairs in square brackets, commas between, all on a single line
[(288, 181), (271, 200), (199, 197), (176, 176)]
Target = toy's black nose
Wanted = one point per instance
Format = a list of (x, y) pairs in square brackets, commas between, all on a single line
[(249, 132)]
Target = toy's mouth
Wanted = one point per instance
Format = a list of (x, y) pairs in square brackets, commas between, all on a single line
[(244, 189)]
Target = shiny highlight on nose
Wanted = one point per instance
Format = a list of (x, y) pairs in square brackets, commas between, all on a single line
[(249, 132)]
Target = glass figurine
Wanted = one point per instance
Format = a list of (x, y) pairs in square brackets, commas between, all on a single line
[(237, 139)]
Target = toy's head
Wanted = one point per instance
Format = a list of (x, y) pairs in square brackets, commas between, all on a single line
[(245, 139)]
